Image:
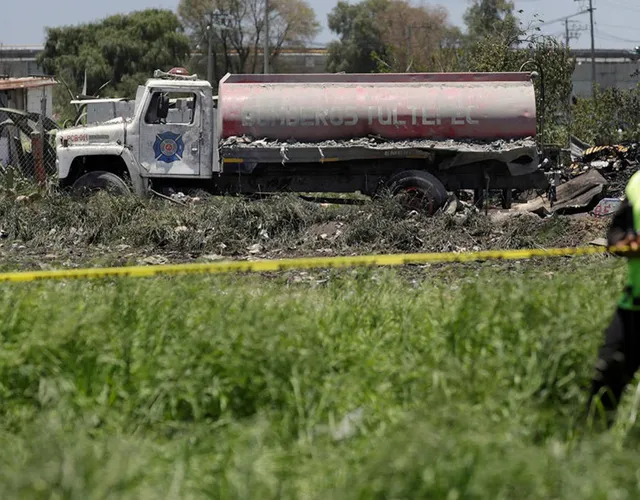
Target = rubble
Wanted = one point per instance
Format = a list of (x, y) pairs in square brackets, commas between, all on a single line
[(599, 242), (373, 142), (576, 195), (501, 216), (579, 193), (213, 257), (255, 248), (593, 183), (155, 260), (607, 206), (616, 163)]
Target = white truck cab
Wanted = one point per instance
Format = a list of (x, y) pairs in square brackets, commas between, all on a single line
[(165, 138)]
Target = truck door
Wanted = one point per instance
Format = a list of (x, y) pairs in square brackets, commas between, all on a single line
[(170, 133)]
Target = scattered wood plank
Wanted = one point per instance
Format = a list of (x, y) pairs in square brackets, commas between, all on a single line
[(577, 195)]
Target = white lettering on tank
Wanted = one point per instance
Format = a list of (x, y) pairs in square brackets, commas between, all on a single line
[(307, 119), (352, 114), (321, 117), (336, 117), (425, 118), (470, 120), (292, 117), (414, 115), (397, 121), (458, 118), (389, 118)]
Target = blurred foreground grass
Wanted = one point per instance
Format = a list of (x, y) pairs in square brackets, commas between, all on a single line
[(363, 386)]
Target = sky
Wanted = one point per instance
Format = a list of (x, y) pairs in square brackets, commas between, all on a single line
[(617, 22)]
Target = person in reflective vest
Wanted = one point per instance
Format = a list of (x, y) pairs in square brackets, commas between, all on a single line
[(619, 354)]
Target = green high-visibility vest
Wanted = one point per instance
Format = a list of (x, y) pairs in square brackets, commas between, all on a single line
[(631, 297)]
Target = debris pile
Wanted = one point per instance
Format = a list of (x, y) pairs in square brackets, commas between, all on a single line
[(593, 182), (577, 195), (616, 163)]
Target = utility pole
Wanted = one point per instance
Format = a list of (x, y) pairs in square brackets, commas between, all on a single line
[(593, 47), (572, 31), (409, 46), (211, 58), (266, 37), (593, 51), (217, 21)]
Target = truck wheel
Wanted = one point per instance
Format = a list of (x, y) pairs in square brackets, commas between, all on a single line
[(100, 180), (419, 190)]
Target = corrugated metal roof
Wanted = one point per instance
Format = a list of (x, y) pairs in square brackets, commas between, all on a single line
[(25, 83)]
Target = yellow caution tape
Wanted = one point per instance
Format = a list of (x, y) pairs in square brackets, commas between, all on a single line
[(259, 266)]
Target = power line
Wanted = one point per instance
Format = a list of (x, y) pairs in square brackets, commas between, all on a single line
[(604, 35), (568, 36), (563, 18), (618, 26)]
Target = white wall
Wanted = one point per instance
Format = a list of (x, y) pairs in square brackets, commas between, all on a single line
[(608, 74), (34, 96)]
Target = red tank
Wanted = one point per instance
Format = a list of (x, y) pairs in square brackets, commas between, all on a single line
[(313, 108)]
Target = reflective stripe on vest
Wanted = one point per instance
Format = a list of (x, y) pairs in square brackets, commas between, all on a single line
[(631, 296)]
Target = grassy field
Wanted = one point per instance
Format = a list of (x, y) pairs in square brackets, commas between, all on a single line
[(362, 384)]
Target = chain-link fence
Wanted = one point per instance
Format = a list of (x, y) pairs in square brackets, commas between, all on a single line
[(27, 145)]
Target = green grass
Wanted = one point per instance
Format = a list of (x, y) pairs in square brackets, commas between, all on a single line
[(235, 387)]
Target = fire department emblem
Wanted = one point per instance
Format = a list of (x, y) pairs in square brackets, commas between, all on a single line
[(169, 147)]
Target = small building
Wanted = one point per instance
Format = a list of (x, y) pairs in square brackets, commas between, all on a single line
[(20, 60), (26, 94), (614, 69)]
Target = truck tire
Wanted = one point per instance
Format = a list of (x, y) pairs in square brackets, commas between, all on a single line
[(99, 180), (419, 190)]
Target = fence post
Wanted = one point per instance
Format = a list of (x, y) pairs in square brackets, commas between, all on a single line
[(43, 137), (38, 157)]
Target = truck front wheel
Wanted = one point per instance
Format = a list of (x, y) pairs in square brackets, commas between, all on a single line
[(99, 180), (419, 191)]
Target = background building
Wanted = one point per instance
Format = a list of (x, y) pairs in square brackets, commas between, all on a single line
[(614, 68)]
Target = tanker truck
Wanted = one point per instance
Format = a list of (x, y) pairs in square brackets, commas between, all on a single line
[(418, 136)]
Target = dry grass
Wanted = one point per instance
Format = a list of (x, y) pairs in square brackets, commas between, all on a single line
[(276, 227)]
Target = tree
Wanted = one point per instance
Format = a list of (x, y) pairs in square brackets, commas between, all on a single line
[(417, 37), (521, 49), (611, 116), (487, 17), (360, 33), (291, 22), (389, 35), (121, 50)]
